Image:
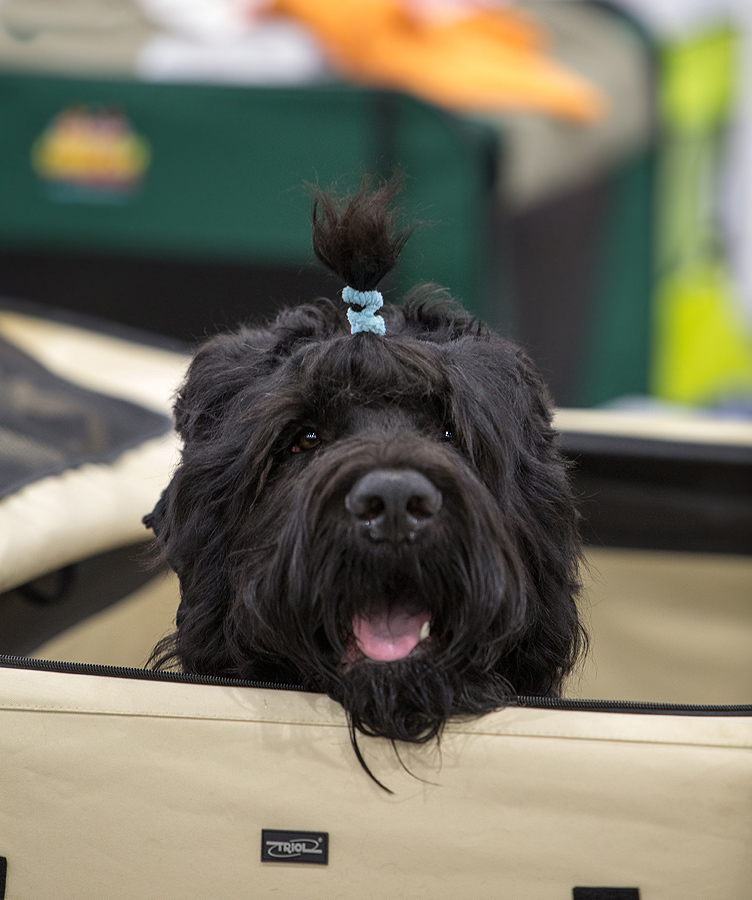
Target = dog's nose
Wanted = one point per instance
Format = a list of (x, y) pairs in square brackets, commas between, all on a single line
[(393, 504)]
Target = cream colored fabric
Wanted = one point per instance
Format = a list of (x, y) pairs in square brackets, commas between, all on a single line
[(669, 627), (123, 634), (124, 789), (95, 507), (59, 520), (686, 427), (127, 369)]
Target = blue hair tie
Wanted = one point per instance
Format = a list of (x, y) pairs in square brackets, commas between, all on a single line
[(366, 320)]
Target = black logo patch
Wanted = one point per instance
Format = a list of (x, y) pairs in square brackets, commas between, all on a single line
[(295, 846), (605, 893), (3, 871)]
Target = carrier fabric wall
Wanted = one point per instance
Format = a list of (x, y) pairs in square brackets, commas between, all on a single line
[(119, 788)]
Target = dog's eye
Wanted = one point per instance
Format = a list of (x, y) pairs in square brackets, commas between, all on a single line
[(307, 441), (447, 435)]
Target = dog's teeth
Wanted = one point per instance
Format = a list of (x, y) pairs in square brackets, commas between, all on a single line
[(425, 630)]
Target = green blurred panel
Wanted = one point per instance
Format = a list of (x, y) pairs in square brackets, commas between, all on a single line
[(449, 189), (226, 171), (227, 168), (616, 361)]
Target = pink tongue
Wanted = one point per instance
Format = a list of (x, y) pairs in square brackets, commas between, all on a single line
[(387, 636)]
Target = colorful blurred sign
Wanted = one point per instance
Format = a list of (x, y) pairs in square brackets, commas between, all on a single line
[(91, 156)]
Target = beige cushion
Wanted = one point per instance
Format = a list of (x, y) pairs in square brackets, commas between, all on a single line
[(689, 426), (668, 627), (97, 507)]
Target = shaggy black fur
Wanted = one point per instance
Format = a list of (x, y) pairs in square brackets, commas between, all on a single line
[(282, 425)]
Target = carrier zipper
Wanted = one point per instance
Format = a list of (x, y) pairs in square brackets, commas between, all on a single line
[(606, 706), (634, 706), (74, 668)]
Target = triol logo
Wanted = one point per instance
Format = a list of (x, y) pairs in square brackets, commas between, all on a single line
[(295, 846)]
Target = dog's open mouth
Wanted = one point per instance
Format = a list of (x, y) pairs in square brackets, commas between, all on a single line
[(387, 633)]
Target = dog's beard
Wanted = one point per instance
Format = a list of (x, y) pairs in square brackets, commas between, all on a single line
[(411, 699), (411, 696)]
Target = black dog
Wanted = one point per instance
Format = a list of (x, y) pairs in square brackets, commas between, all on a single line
[(383, 518)]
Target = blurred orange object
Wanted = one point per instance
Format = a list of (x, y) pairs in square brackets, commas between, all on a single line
[(485, 60)]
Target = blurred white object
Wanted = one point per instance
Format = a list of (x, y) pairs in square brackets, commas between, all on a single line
[(672, 18), (736, 200), (226, 41), (273, 52)]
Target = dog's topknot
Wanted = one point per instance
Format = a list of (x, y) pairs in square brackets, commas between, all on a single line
[(356, 237)]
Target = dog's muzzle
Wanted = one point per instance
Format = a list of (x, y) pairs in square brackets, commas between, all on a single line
[(393, 504)]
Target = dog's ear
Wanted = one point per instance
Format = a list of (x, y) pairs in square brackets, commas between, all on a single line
[(503, 410), (221, 368)]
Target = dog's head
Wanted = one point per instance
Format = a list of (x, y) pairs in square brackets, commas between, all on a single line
[(382, 517)]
